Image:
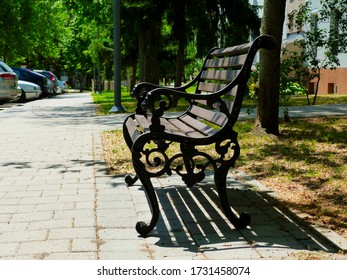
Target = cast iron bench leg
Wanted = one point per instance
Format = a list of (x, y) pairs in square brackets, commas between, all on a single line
[(220, 178), (141, 227), (130, 180)]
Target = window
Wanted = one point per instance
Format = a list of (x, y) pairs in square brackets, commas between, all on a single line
[(291, 22)]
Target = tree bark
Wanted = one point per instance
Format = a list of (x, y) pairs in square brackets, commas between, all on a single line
[(149, 43), (180, 63), (269, 68)]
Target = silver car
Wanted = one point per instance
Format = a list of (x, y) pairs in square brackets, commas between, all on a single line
[(9, 90), (30, 91)]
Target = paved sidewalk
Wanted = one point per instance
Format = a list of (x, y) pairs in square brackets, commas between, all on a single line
[(57, 201)]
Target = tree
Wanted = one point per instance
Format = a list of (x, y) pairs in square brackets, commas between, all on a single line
[(181, 33), (269, 68), (209, 22), (89, 43), (319, 44), (30, 32), (148, 19)]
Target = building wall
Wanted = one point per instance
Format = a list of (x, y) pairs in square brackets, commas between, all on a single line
[(291, 6), (332, 81)]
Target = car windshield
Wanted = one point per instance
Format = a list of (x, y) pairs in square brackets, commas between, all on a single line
[(5, 68)]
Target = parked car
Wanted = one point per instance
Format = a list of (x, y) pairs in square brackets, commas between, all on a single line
[(51, 77), (30, 91), (51, 87), (9, 90), (25, 74), (62, 86)]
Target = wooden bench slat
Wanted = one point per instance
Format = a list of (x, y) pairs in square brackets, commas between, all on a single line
[(204, 128), (234, 50), (143, 122), (186, 129), (233, 62), (208, 115), (219, 75), (229, 104), (170, 128), (210, 87), (132, 129), (233, 91)]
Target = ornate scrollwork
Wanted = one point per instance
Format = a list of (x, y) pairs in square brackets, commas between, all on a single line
[(156, 161), (223, 148), (190, 163)]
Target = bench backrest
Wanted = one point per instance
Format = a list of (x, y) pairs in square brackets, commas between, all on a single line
[(226, 71)]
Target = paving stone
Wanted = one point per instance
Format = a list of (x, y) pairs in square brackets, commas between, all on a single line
[(41, 249), (30, 217), (72, 256), (8, 249), (124, 245), (127, 255), (23, 235), (50, 224), (81, 244)]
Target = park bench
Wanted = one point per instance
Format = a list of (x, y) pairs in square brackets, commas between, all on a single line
[(151, 132)]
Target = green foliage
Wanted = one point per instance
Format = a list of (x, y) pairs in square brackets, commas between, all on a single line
[(31, 32), (319, 45), (76, 36), (289, 85)]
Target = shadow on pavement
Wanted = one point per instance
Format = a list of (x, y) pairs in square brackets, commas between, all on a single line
[(191, 218)]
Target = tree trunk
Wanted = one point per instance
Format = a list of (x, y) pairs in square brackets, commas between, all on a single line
[(149, 43), (269, 68), (180, 63), (132, 59), (308, 98), (179, 69), (316, 88), (133, 75)]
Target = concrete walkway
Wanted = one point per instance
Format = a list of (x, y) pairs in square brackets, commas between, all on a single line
[(57, 201)]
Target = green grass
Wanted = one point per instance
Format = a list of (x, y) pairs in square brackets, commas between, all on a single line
[(323, 99), (105, 101)]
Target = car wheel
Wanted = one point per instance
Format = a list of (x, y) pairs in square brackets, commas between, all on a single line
[(23, 97)]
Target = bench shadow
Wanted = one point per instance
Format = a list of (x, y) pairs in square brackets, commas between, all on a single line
[(192, 218)]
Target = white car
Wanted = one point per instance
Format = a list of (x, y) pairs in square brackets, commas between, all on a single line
[(30, 91)]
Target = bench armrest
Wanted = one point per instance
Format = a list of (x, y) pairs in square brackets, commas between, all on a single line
[(166, 95), (141, 90)]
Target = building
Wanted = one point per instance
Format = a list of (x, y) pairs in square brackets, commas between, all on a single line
[(332, 81)]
